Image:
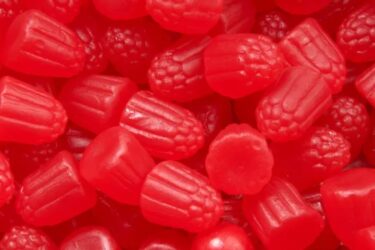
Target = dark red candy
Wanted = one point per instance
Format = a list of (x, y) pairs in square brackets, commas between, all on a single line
[(166, 239), (6, 181), (264, 5), (92, 237), (121, 9), (369, 146), (245, 108), (166, 130), (365, 239), (43, 47), (239, 160), (54, 193), (237, 65), (29, 115), (95, 102), (186, 16), (365, 84), (288, 110), (176, 196), (348, 200), (279, 210), (302, 7), (308, 45), (116, 164)]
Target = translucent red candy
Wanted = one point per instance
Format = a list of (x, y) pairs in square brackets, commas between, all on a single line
[(43, 47), (116, 164), (279, 210), (176, 196), (287, 111), (185, 16), (166, 239), (239, 160), (365, 84), (302, 7), (121, 9), (6, 181), (365, 239)]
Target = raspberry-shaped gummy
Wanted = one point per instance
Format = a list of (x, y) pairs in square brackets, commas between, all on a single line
[(26, 238), (356, 36), (185, 16), (6, 181)]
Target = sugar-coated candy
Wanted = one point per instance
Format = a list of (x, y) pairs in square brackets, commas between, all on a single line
[(185, 16), (176, 196), (43, 47), (29, 115), (279, 211), (54, 193), (319, 154), (302, 7), (287, 111), (177, 74), (131, 46), (91, 237), (356, 37), (308, 45), (121, 9), (365, 239), (63, 11), (223, 237), (166, 239), (166, 130), (26, 238), (349, 117), (239, 160), (348, 200), (95, 102), (116, 164), (365, 84), (6, 181), (237, 65)]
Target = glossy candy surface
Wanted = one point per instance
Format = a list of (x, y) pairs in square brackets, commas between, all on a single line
[(121, 9), (302, 7), (365, 84)]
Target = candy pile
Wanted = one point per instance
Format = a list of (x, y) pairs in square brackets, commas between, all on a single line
[(187, 124)]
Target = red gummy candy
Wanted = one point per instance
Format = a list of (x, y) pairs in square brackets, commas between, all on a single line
[(309, 46), (116, 164), (6, 181), (29, 115), (237, 65), (319, 154), (348, 200), (76, 141), (63, 11), (365, 239), (300, 97), (185, 16), (43, 47), (92, 237), (26, 238), (95, 102), (239, 160), (177, 74), (369, 146), (278, 211), (176, 196), (356, 37), (166, 239), (9, 9), (365, 84), (223, 237), (121, 9), (166, 130), (54, 193), (349, 117), (264, 5), (302, 7)]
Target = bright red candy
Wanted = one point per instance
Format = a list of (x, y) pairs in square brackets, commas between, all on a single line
[(9, 9), (29, 115), (76, 141), (64, 11), (319, 154), (54, 193), (365, 84), (287, 111), (95, 102), (176, 196), (308, 45), (166, 239), (237, 65), (223, 237), (279, 211), (43, 47), (356, 37), (348, 200), (91, 237), (185, 16), (302, 7), (239, 160), (116, 164), (369, 146), (177, 74), (365, 239), (121, 9), (166, 130), (26, 238), (6, 181)]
